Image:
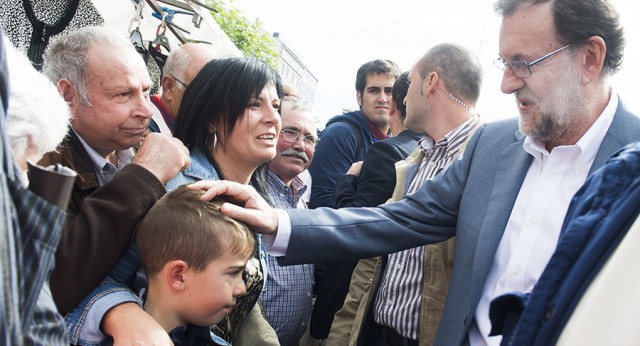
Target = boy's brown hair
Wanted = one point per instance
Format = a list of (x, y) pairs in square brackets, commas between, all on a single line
[(180, 226)]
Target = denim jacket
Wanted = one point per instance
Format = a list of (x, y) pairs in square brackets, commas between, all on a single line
[(83, 322)]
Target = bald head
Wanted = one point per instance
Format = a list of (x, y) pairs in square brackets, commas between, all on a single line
[(182, 65)]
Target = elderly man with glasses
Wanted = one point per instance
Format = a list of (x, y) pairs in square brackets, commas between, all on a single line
[(288, 291), (182, 65)]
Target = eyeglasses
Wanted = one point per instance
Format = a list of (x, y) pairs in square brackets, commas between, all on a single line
[(291, 136), (179, 81), (522, 69)]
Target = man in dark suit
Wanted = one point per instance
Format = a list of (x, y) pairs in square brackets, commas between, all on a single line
[(506, 199)]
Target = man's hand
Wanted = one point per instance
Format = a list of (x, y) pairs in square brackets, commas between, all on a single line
[(163, 156), (252, 209), (128, 324), (355, 169)]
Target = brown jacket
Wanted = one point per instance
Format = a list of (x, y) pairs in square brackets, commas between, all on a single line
[(100, 221)]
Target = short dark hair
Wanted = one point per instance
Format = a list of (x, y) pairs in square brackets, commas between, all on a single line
[(399, 92), (577, 21), (378, 66), (458, 68), (180, 226), (219, 94)]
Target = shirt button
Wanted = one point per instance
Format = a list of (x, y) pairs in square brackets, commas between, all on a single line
[(398, 266), (515, 271), (389, 302), (552, 175), (532, 222)]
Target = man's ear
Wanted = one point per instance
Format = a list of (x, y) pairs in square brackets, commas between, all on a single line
[(359, 98), (430, 83), (168, 84), (591, 56), (393, 108), (68, 93), (176, 274)]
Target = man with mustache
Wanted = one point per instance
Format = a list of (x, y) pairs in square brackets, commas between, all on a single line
[(288, 291)]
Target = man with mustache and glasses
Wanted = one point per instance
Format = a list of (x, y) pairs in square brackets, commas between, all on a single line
[(287, 296), (506, 199)]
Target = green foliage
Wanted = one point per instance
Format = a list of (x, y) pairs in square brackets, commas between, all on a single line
[(248, 37)]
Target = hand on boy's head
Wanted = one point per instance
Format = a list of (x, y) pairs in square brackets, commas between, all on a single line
[(251, 208)]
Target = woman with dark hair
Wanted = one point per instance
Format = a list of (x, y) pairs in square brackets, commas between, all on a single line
[(229, 120)]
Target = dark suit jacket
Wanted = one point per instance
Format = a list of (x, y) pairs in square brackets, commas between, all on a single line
[(377, 177), (100, 221), (472, 200)]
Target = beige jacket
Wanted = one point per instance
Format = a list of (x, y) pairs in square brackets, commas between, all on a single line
[(355, 317)]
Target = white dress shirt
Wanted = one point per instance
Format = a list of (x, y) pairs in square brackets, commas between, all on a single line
[(533, 229)]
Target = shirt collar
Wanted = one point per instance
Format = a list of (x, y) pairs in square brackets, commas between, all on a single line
[(296, 189), (452, 140), (297, 184), (124, 156)]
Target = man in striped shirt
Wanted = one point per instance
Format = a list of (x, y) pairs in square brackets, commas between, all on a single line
[(409, 287)]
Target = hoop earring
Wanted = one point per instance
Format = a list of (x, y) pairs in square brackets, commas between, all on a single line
[(209, 142)]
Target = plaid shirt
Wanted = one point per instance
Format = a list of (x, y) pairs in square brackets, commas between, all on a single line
[(30, 230), (287, 296)]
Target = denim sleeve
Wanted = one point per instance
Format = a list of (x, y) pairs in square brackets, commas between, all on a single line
[(83, 322)]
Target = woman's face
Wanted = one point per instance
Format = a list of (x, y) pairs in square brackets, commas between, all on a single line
[(255, 136)]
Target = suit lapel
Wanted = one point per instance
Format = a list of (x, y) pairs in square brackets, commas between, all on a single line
[(622, 131), (512, 166)]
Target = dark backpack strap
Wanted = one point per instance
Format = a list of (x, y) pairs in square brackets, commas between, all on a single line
[(357, 132)]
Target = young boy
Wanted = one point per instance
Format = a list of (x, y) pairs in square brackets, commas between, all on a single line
[(194, 258)]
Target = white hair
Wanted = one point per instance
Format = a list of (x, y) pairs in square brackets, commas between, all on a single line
[(176, 65), (66, 56), (37, 116)]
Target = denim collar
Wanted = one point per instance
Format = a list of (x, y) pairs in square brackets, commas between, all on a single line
[(201, 168)]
